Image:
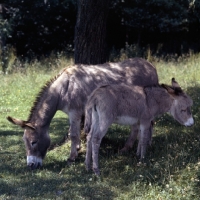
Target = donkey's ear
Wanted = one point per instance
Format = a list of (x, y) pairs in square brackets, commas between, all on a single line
[(20, 123), (29, 125), (176, 86)]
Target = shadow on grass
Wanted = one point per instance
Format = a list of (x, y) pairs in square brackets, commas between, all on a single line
[(5, 188), (10, 133), (70, 183), (174, 147), (58, 132)]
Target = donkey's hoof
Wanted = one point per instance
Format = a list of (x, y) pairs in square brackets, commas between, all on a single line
[(138, 158), (70, 161), (124, 150)]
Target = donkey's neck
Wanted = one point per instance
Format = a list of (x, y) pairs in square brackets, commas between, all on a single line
[(45, 106), (159, 101)]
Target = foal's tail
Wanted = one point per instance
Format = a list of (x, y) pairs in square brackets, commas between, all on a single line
[(93, 103), (90, 107), (88, 119)]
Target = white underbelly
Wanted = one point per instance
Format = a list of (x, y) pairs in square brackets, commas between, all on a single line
[(126, 120)]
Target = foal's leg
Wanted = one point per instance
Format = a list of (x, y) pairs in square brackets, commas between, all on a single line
[(98, 134), (74, 132), (133, 136), (96, 141), (88, 151), (93, 129), (144, 138)]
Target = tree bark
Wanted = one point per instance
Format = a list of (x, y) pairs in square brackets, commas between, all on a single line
[(3, 50), (90, 32)]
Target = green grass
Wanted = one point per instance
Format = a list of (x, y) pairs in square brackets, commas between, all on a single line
[(172, 170)]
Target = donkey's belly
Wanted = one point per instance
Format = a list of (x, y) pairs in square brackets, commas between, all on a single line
[(126, 120)]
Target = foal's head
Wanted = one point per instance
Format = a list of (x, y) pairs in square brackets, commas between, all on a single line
[(181, 107)]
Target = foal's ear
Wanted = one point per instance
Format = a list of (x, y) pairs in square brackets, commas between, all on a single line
[(20, 122), (169, 89)]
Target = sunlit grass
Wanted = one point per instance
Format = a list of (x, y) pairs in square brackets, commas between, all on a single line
[(172, 169)]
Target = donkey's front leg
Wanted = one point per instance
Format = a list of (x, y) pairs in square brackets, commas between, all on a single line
[(133, 136), (74, 132), (144, 139)]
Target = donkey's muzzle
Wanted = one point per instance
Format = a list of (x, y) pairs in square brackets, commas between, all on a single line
[(33, 166), (34, 162)]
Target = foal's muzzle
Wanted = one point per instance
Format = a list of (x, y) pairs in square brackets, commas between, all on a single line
[(189, 122)]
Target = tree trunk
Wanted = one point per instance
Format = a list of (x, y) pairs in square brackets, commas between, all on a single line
[(3, 51), (90, 31)]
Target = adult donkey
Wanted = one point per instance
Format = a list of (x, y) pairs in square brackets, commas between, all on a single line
[(68, 92), (130, 105)]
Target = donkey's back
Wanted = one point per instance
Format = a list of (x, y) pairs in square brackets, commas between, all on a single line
[(83, 79), (133, 71)]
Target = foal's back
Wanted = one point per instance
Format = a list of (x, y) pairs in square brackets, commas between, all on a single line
[(120, 102)]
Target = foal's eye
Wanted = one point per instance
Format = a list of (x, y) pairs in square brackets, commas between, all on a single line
[(183, 110)]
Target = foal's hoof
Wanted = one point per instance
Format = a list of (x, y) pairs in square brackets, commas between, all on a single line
[(139, 158), (87, 167), (97, 172)]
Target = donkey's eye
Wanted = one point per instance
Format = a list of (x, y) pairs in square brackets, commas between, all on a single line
[(34, 143)]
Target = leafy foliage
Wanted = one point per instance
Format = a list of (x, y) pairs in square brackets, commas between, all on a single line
[(173, 24), (37, 28)]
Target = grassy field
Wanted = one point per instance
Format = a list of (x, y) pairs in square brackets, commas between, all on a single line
[(171, 172)]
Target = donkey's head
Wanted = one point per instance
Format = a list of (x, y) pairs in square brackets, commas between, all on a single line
[(36, 141), (181, 106)]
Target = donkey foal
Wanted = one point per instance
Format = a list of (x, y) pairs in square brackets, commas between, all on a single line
[(131, 105)]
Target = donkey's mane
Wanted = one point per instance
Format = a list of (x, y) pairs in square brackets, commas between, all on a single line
[(155, 86), (41, 93)]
